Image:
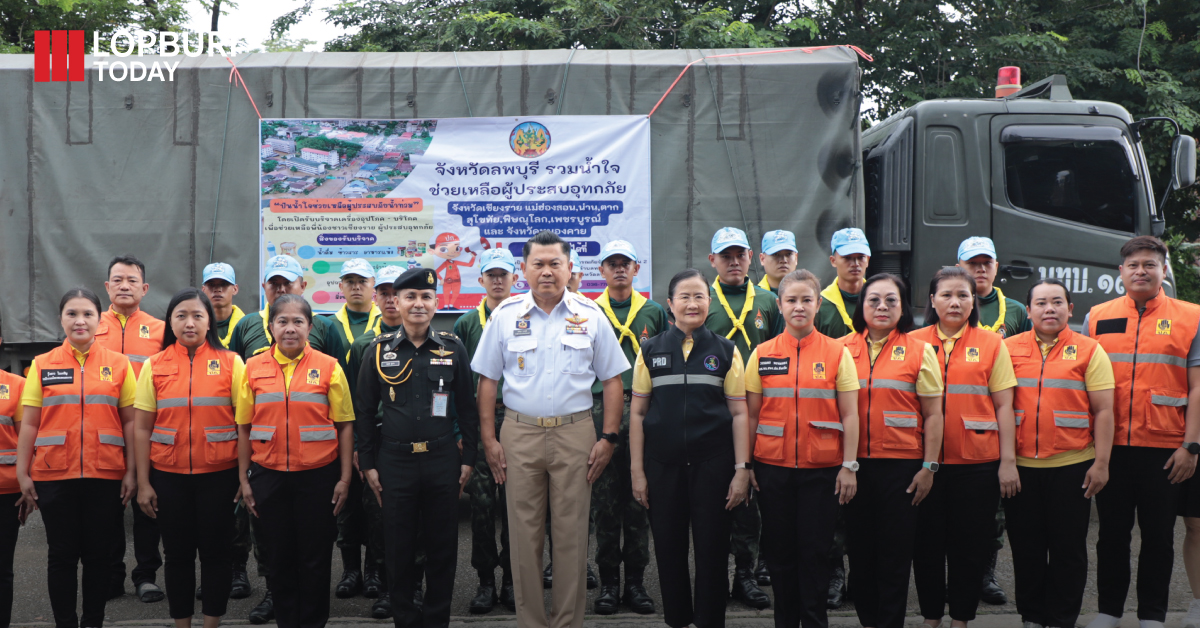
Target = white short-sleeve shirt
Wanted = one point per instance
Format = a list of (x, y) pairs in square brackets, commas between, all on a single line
[(549, 361)]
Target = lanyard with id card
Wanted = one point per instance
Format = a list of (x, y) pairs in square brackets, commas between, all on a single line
[(441, 400)]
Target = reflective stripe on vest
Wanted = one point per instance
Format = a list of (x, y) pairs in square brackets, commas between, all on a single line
[(678, 380)]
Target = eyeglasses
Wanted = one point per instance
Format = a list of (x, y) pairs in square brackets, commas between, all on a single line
[(890, 302)]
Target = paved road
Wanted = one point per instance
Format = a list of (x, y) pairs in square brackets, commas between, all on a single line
[(31, 606)]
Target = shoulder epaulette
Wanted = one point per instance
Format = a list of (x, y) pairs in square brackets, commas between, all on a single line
[(381, 338), (516, 298), (448, 335), (584, 300)]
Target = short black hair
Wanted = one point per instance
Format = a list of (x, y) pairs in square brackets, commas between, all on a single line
[(1047, 282), (905, 325), (1143, 243), (128, 260), (187, 294), (80, 292), (290, 299), (681, 276), (546, 238), (945, 274)]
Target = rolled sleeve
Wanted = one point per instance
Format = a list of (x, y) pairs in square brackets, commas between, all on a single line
[(642, 387), (1099, 375), (341, 408), (1003, 376), (929, 378), (32, 395), (753, 381), (147, 398), (735, 378), (847, 375), (608, 359)]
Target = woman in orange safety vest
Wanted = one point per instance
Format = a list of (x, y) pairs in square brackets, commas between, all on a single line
[(802, 394), (1064, 411), (11, 517), (295, 446), (978, 466), (899, 444), (186, 444), (78, 414)]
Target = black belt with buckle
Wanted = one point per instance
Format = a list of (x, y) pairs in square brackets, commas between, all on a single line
[(423, 446)]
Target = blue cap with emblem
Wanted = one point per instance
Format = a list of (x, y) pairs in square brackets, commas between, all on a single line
[(726, 237), (498, 257), (358, 266), (284, 266), (778, 240), (977, 245), (850, 241), (618, 247), (576, 265), (387, 274), (219, 270)]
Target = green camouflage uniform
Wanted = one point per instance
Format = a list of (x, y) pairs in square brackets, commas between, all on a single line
[(762, 323), (614, 510), (487, 497)]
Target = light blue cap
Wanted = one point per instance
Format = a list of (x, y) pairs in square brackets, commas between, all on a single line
[(618, 247), (284, 266), (219, 270), (976, 245), (726, 237), (850, 242), (388, 274), (358, 266), (498, 257), (576, 265), (778, 240)]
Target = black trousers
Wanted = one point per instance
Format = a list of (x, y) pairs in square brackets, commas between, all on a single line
[(195, 514), (420, 508), (684, 496), (1137, 486), (881, 522), (9, 525), (145, 550), (82, 517), (1047, 528), (799, 512), (955, 530), (298, 529)]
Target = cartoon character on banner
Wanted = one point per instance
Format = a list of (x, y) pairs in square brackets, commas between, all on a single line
[(448, 246)]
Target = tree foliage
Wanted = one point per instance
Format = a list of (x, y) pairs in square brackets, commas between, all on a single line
[(20, 18)]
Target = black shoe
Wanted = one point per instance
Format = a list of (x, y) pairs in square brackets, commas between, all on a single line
[(241, 585), (548, 576), (592, 580), (264, 612), (508, 597), (837, 588), (762, 575), (746, 591), (485, 597), (199, 593), (382, 608), (350, 584), (637, 599), (609, 599), (418, 597), (991, 591), (372, 584)]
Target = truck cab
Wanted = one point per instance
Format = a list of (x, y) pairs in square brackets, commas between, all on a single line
[(1059, 184)]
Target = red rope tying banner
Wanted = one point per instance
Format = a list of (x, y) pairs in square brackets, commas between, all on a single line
[(743, 54), (235, 77)]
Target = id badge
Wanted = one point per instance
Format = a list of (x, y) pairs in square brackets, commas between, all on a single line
[(440, 402)]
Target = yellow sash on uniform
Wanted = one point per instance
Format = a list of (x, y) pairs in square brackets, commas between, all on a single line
[(482, 309), (233, 321), (764, 284), (1003, 311), (738, 322), (634, 307), (266, 330), (834, 295), (341, 315)]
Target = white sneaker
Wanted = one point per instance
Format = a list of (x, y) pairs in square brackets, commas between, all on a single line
[(1104, 621), (1192, 619)]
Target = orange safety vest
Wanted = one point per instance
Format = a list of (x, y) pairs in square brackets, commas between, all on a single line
[(1051, 405), (888, 406), (799, 424), (11, 387), (1149, 353), (194, 430), (291, 429), (972, 433), (80, 434), (140, 338)]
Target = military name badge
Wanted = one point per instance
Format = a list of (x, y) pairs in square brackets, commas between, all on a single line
[(972, 354), (106, 373), (314, 377), (898, 353), (4, 391), (1070, 352), (522, 327), (144, 331), (1163, 327), (214, 367), (389, 363), (818, 370)]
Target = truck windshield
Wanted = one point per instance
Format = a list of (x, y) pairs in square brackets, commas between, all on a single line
[(1085, 181)]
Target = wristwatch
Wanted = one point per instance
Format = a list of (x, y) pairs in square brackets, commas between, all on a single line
[(610, 437), (744, 465), (852, 465), (931, 466), (1192, 448)]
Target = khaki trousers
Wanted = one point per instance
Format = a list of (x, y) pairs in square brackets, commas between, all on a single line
[(548, 462)]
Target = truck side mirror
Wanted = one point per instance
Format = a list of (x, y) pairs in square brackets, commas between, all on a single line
[(1183, 161)]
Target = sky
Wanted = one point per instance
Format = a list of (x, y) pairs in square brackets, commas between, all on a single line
[(251, 21)]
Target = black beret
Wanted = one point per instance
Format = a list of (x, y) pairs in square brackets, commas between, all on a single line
[(416, 279)]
